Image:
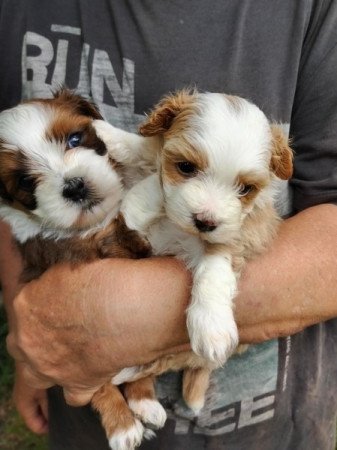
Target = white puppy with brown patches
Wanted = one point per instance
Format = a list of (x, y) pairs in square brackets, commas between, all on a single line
[(211, 205), (60, 191)]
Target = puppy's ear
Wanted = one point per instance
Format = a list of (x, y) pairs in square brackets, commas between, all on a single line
[(80, 104), (281, 163), (161, 118)]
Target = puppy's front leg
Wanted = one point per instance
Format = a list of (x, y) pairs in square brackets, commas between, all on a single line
[(143, 204), (127, 148), (210, 320), (123, 430), (142, 400)]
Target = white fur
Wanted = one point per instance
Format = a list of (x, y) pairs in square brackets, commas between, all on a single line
[(149, 411), (96, 171), (126, 374), (147, 204), (210, 321), (16, 126), (235, 138), (137, 153), (127, 439), (21, 225)]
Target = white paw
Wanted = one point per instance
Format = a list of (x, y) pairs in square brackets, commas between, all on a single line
[(182, 409), (127, 439), (150, 412), (196, 406), (214, 337), (112, 138), (105, 131), (126, 375), (149, 434)]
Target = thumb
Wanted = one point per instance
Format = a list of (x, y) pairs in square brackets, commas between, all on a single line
[(29, 409), (43, 404), (79, 397)]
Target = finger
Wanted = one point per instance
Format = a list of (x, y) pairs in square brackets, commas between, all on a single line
[(36, 422), (78, 397), (31, 413), (43, 403), (35, 380)]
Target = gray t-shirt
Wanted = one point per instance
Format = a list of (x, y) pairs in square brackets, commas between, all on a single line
[(282, 55)]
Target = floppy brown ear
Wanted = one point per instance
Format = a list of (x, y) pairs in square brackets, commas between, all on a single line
[(281, 163), (161, 118)]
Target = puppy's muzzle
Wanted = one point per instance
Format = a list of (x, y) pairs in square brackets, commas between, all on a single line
[(75, 190), (204, 225)]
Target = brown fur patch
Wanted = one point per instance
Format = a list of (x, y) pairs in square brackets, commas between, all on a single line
[(256, 182), (67, 122), (73, 113), (13, 165), (65, 98), (130, 240), (166, 113), (140, 389), (115, 414), (195, 385), (182, 152), (39, 254), (175, 362), (281, 163)]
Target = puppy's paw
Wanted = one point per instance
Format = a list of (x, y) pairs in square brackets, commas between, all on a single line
[(214, 336), (106, 132), (149, 411), (137, 244), (129, 438), (114, 140)]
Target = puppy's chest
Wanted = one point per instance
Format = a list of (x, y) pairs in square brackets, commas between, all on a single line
[(168, 239), (41, 253)]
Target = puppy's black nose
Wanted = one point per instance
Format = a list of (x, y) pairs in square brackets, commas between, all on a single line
[(204, 225), (75, 189)]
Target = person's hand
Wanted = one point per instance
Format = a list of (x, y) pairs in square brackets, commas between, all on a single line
[(76, 328), (31, 403)]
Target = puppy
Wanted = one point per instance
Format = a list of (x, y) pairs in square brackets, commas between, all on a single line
[(210, 204), (60, 191)]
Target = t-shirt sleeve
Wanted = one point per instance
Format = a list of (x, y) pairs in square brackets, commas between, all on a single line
[(313, 127)]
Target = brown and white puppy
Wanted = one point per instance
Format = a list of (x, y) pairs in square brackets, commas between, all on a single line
[(211, 205), (60, 191)]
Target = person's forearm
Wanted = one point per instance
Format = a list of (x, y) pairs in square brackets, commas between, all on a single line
[(290, 287), (78, 327), (10, 268), (294, 284), (110, 314)]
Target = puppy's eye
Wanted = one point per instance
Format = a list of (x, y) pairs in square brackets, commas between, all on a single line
[(245, 189), (26, 183), (186, 168), (74, 140)]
